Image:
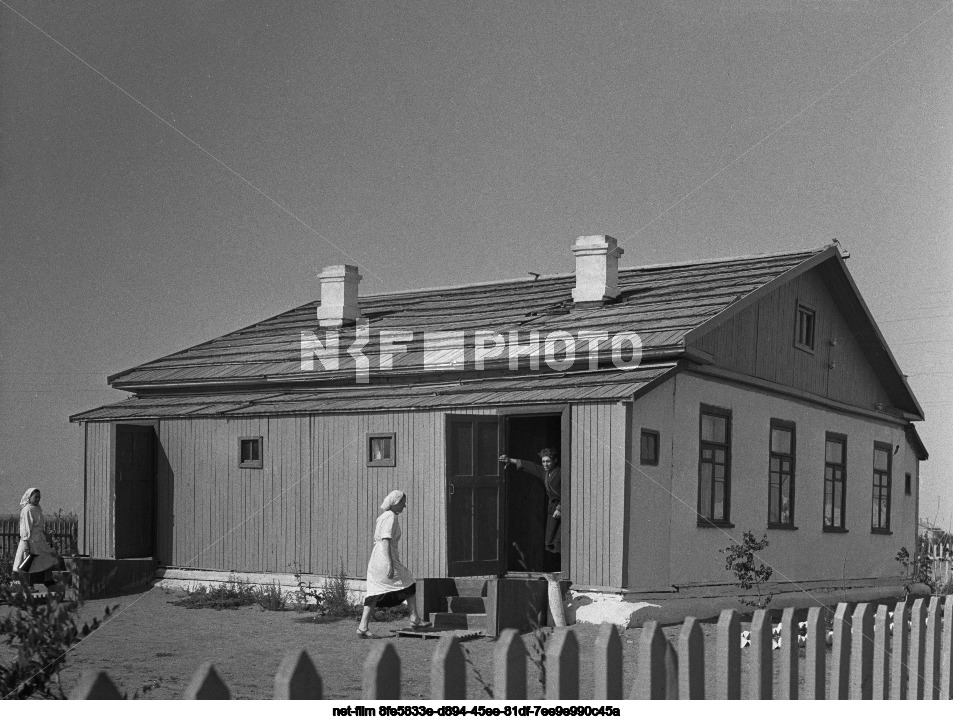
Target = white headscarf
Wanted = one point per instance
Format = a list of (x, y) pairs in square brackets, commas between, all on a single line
[(393, 498), (26, 497)]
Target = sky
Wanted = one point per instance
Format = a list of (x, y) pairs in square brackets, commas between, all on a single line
[(173, 171)]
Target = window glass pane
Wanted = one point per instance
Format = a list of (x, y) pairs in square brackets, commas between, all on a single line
[(835, 451), (781, 440), (773, 503), (714, 428), (881, 459), (461, 449), (720, 456), (488, 451), (775, 465), (381, 449), (704, 491), (719, 510)]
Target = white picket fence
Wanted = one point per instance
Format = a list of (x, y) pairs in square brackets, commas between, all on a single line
[(868, 660)]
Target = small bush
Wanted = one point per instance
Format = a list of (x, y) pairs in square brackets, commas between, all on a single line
[(6, 569), (42, 630), (336, 597), (231, 594), (740, 560), (270, 597)]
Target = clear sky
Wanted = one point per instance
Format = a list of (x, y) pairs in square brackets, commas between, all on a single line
[(237, 148)]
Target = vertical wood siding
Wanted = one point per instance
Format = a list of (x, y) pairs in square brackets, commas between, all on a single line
[(597, 494), (313, 504), (100, 490), (759, 342)]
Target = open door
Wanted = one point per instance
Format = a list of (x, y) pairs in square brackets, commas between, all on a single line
[(474, 496), (135, 491)]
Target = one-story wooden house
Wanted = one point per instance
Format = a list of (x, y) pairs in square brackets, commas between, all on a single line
[(765, 399)]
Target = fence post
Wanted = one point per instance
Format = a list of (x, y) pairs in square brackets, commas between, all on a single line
[(382, 674), (297, 678), (95, 686), (671, 672), (899, 651), (607, 663), (691, 661), (562, 661), (650, 669), (207, 685), (728, 657), (931, 663), (448, 678), (861, 652), (916, 657), (760, 686), (946, 655), (881, 685), (815, 676), (788, 640), (840, 653), (509, 680)]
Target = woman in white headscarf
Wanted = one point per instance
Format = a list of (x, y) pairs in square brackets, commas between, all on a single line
[(34, 555), (389, 582)]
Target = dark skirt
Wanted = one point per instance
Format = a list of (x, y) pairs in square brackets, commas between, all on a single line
[(391, 598)]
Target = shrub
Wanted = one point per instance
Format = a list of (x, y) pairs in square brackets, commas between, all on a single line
[(336, 597), (231, 594), (43, 630), (6, 569), (916, 570), (740, 560), (270, 597)]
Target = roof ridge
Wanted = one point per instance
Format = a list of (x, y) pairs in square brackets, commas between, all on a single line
[(677, 264)]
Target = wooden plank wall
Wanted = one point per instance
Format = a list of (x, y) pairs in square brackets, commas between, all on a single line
[(759, 342), (597, 494), (100, 490), (314, 503)]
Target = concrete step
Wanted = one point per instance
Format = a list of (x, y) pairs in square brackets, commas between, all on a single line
[(466, 604), (469, 621)]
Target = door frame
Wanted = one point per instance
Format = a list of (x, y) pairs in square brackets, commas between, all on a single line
[(564, 411), (154, 425)]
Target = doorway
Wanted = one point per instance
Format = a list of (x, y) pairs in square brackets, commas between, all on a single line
[(135, 491), (525, 495)]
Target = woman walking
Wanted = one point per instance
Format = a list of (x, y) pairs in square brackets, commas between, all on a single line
[(34, 555), (389, 582)]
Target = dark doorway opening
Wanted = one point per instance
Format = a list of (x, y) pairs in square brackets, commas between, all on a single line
[(135, 491), (526, 500)]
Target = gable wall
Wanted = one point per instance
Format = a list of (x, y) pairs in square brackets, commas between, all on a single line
[(759, 342)]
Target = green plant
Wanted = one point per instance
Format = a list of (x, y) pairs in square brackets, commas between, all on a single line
[(336, 597), (306, 596), (43, 630), (270, 597), (6, 569), (231, 594), (742, 560)]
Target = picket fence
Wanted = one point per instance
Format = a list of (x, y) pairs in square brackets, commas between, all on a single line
[(914, 660), (63, 535)]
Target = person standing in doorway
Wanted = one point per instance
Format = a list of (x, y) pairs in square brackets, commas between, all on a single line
[(548, 471)]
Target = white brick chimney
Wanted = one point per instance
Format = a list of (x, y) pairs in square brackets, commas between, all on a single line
[(597, 268), (338, 296)]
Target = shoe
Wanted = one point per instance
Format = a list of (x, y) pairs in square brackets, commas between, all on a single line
[(420, 625), (364, 634)]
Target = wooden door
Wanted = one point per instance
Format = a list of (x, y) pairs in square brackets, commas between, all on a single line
[(135, 491), (474, 493)]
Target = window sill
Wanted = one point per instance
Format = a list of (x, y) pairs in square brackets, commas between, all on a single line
[(881, 531), (834, 530), (250, 464), (781, 527), (705, 523)]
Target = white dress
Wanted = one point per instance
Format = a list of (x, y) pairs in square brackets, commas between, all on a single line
[(33, 541), (377, 581)]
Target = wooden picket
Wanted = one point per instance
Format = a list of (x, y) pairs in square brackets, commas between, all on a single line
[(867, 661)]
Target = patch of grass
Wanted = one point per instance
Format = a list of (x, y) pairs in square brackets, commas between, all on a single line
[(233, 594)]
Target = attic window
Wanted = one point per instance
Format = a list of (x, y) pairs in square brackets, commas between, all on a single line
[(381, 449), (249, 452), (804, 329)]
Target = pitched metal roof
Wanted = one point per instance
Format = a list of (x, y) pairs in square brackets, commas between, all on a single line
[(592, 386), (661, 303)]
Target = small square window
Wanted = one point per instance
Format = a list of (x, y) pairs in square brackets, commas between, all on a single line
[(649, 448), (804, 329), (249, 452), (908, 484), (381, 449)]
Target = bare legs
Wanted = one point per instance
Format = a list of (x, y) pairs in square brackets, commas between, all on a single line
[(364, 626)]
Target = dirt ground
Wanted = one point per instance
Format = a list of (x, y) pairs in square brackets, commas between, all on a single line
[(152, 648)]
